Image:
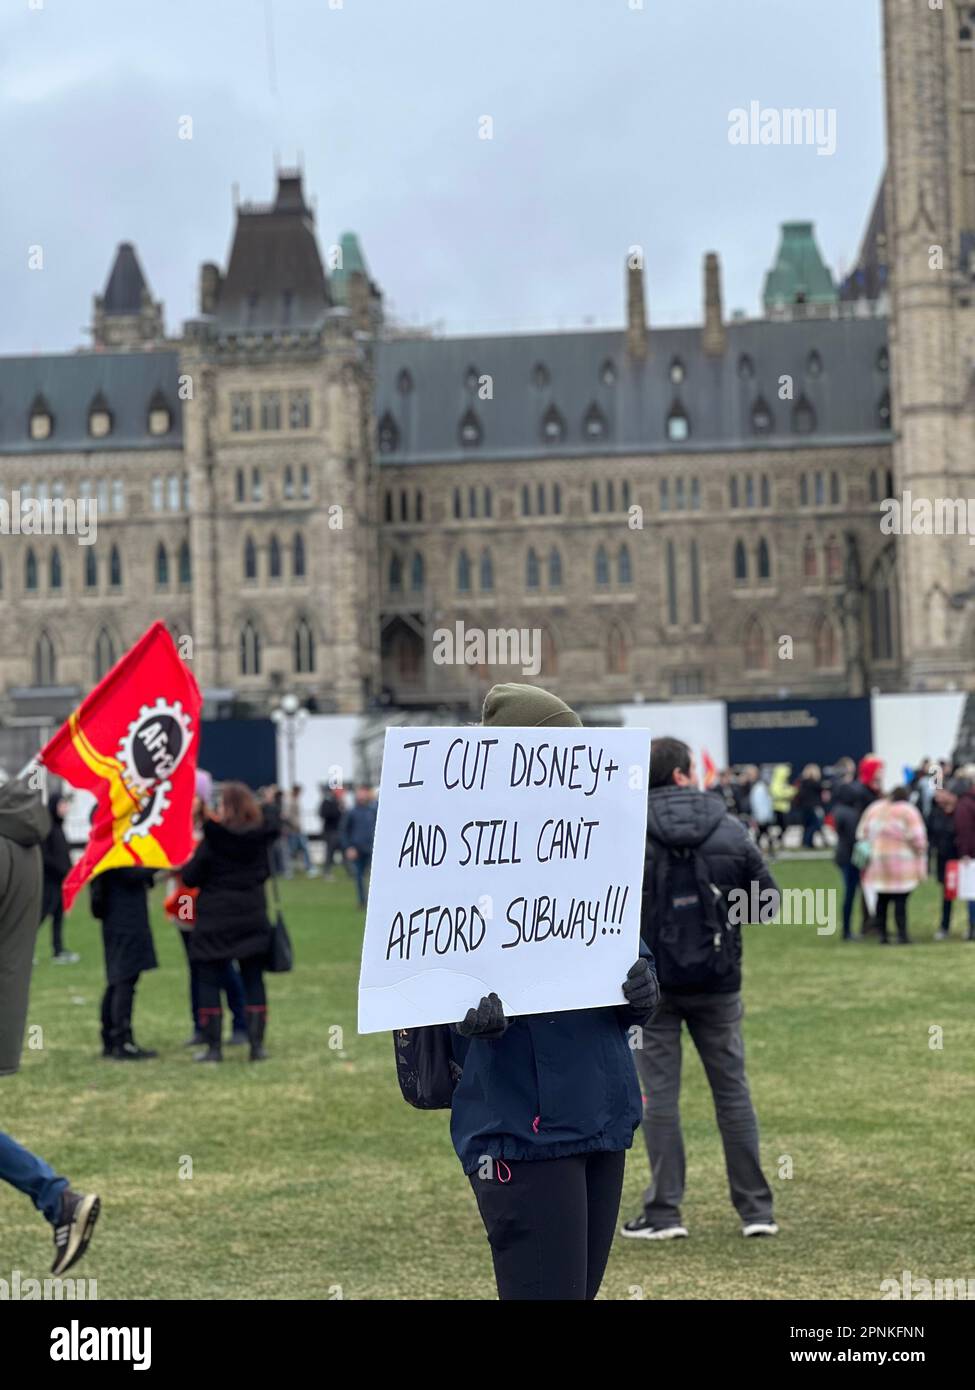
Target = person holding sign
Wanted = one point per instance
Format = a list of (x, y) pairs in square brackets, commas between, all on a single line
[(547, 1105)]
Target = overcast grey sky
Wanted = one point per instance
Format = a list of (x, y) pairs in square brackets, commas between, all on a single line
[(610, 129)]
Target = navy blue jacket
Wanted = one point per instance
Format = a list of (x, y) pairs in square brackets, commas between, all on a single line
[(359, 828), (552, 1085)]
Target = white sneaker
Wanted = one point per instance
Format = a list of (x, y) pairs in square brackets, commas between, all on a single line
[(760, 1228), (67, 958)]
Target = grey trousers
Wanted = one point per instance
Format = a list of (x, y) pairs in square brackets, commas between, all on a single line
[(714, 1023)]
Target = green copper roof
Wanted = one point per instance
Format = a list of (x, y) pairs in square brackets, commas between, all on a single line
[(352, 260), (799, 275)]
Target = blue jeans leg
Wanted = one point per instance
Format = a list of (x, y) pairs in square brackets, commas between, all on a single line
[(361, 865), (31, 1175), (234, 989)]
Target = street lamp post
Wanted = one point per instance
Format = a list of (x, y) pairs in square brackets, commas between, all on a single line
[(290, 719)]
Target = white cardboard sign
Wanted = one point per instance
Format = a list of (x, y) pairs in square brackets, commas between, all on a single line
[(508, 860)]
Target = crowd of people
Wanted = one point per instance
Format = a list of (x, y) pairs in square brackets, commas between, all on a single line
[(543, 1107), (885, 842)]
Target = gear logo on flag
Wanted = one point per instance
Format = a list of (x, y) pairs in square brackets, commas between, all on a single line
[(155, 743), (150, 753)]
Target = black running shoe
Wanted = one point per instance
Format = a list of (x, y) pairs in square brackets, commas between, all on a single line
[(642, 1229), (79, 1212), (132, 1052)]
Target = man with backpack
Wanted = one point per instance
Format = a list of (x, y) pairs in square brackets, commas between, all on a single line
[(697, 854)]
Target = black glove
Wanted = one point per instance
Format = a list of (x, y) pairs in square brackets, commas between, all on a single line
[(641, 989), (486, 1021)]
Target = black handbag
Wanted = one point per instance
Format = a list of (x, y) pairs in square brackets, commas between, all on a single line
[(280, 954), (427, 1068)]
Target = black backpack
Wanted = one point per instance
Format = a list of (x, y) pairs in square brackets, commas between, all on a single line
[(694, 946), (426, 1066)]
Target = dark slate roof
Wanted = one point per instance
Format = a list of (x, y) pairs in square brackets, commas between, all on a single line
[(275, 278), (123, 293), (718, 402), (69, 385)]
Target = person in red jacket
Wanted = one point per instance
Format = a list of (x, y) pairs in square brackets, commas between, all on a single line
[(964, 826)]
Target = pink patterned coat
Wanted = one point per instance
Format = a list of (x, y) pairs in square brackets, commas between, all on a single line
[(898, 846)]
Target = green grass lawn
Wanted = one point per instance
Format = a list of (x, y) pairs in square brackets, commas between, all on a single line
[(311, 1178)]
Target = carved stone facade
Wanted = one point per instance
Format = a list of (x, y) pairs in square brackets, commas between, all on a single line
[(319, 501)]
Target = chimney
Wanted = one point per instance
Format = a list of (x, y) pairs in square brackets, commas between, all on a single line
[(636, 312), (713, 338), (209, 288)]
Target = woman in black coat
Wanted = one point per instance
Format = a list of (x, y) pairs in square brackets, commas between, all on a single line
[(119, 900), (229, 867)]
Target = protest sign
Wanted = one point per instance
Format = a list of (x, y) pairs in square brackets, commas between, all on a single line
[(505, 860)]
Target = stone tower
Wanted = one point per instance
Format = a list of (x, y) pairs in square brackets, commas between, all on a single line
[(278, 441), (126, 316), (930, 216)]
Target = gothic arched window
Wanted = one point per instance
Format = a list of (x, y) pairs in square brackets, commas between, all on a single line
[(104, 653), (250, 650), (602, 567), (45, 661), (755, 646), (303, 648), (274, 558)]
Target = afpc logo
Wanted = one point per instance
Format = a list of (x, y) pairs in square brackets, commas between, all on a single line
[(150, 752)]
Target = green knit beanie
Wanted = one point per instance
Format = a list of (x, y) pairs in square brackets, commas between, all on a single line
[(527, 707)]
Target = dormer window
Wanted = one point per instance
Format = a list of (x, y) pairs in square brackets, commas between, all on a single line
[(540, 376), (803, 417), (607, 372), (761, 417), (594, 422), (677, 372), (41, 420), (471, 378), (470, 430), (404, 383), (160, 417), (99, 418), (746, 367), (883, 360), (678, 423), (883, 411), (814, 364), (553, 426), (388, 434)]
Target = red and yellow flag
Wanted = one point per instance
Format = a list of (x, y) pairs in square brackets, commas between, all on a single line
[(133, 742), (709, 769)]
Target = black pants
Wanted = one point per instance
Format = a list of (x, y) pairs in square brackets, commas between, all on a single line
[(900, 913), (52, 905), (117, 1003), (550, 1223), (212, 978)]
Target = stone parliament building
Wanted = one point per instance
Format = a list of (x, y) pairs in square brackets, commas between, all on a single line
[(311, 493)]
